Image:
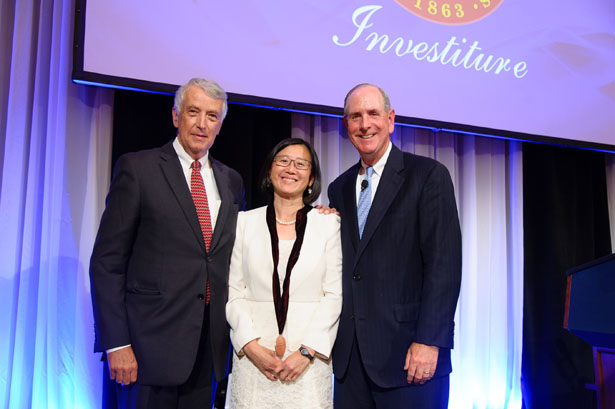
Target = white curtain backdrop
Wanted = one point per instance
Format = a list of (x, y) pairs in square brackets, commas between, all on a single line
[(55, 151), (487, 174)]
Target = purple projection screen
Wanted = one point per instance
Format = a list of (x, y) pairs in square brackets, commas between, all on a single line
[(527, 69)]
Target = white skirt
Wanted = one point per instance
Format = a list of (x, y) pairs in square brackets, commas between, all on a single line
[(249, 388)]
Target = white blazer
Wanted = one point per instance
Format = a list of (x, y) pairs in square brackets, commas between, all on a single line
[(315, 300)]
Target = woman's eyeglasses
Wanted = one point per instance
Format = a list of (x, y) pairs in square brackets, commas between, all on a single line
[(285, 161)]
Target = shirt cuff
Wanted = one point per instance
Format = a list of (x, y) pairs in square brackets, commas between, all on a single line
[(117, 348)]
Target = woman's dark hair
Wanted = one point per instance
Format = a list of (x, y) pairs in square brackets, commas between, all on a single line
[(265, 181)]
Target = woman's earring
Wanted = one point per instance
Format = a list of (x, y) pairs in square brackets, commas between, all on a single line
[(309, 190)]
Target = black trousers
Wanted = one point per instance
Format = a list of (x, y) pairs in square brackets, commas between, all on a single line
[(197, 392)]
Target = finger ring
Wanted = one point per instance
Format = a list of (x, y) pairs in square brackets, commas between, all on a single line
[(426, 373)]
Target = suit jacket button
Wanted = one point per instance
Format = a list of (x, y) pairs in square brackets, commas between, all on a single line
[(210, 259), (356, 277), (200, 296)]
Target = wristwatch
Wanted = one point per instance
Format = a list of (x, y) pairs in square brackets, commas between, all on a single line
[(306, 353)]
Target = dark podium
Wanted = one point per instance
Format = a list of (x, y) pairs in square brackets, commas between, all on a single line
[(590, 314)]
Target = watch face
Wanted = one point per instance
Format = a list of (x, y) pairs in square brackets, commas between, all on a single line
[(306, 353), (454, 12)]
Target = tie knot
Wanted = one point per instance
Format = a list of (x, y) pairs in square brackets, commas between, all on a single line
[(196, 165), (369, 171)]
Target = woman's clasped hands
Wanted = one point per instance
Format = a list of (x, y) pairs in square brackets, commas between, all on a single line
[(274, 368)]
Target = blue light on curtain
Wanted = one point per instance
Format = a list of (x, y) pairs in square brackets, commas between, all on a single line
[(54, 165)]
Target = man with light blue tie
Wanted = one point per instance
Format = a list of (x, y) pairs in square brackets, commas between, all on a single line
[(401, 244)]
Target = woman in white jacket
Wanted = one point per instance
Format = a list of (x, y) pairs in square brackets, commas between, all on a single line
[(285, 290)]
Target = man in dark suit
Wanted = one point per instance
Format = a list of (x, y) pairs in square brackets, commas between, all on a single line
[(159, 268), (401, 246)]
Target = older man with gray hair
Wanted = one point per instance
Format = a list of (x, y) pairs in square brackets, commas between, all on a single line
[(159, 268)]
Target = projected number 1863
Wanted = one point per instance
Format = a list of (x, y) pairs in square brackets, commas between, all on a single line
[(455, 12)]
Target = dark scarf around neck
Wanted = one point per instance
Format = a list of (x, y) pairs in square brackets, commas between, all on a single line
[(281, 300)]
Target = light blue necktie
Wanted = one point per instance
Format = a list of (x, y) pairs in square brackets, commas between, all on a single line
[(365, 200)]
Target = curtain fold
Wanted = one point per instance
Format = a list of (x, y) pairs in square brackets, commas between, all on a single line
[(487, 174), (55, 167)]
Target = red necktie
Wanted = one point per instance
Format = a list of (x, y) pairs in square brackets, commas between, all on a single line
[(199, 195)]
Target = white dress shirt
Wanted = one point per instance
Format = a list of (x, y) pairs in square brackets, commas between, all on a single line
[(207, 173), (375, 179)]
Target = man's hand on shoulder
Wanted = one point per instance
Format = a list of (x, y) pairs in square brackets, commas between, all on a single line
[(326, 210), (123, 366), (421, 362)]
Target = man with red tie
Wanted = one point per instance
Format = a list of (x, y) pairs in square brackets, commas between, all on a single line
[(159, 269)]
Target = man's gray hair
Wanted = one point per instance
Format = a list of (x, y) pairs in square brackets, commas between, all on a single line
[(210, 87), (385, 97)]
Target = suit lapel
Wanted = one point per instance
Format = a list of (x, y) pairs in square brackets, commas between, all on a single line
[(172, 170), (226, 200), (388, 187), (349, 212)]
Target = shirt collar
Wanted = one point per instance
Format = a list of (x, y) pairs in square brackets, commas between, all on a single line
[(185, 159), (379, 166)]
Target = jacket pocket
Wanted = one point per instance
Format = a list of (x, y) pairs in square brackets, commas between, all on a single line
[(143, 291)]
